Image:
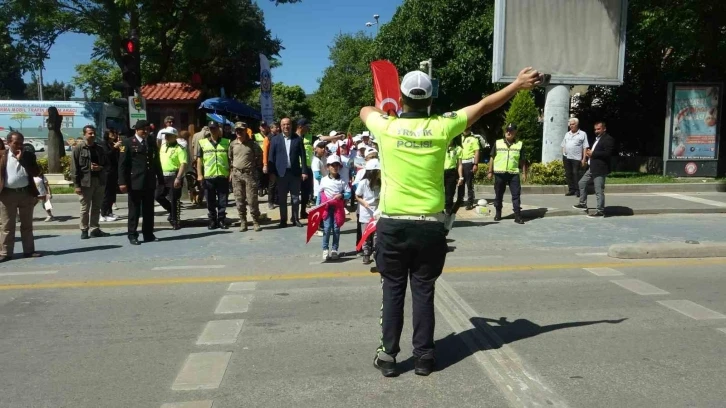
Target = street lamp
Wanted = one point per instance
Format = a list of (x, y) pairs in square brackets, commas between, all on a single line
[(369, 24)]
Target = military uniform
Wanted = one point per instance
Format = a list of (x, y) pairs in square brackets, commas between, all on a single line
[(245, 157), (139, 169)]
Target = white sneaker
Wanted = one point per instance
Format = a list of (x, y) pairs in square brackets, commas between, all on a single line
[(319, 233), (49, 218), (334, 255), (111, 218), (102, 218), (325, 255)]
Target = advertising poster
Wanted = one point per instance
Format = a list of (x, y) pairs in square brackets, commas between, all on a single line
[(694, 121), (30, 117), (266, 106)]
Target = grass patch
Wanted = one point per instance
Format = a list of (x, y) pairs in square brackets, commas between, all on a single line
[(62, 190)]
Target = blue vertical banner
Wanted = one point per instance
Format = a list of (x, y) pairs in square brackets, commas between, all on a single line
[(266, 106), (694, 135)]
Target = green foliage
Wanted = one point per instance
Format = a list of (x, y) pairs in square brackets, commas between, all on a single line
[(552, 173), (65, 166), (346, 86), (524, 113), (288, 101), (11, 69), (96, 80), (56, 91)]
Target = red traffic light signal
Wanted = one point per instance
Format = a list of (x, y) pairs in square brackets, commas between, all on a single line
[(130, 46)]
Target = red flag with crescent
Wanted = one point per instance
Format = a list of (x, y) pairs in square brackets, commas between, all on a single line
[(386, 86), (315, 216), (370, 229)]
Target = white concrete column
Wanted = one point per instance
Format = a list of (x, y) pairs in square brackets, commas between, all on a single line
[(556, 115)]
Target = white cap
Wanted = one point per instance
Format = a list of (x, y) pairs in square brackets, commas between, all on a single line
[(334, 133), (169, 131), (371, 150), (361, 146), (357, 138), (366, 134), (373, 164), (417, 80), (333, 159)]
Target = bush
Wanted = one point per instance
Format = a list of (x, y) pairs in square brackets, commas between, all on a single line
[(65, 166), (524, 113), (552, 173)]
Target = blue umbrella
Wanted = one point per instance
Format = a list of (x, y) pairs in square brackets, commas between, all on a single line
[(228, 107), (219, 119)]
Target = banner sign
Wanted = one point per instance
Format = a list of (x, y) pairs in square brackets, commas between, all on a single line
[(692, 128), (266, 106), (386, 87)]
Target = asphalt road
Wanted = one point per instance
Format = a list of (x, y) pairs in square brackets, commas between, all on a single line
[(532, 315)]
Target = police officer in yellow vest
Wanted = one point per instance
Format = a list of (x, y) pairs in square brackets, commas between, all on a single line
[(260, 136), (453, 181), (411, 237), (470, 163), (213, 172), (174, 160), (507, 158), (306, 189)]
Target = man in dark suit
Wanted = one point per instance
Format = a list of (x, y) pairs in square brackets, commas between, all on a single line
[(139, 173), (288, 161), (599, 160)]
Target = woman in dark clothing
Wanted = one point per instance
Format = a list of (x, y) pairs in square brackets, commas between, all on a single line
[(111, 145)]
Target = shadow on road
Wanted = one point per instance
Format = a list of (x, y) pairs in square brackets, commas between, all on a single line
[(80, 250), (618, 211), (466, 224), (531, 214), (193, 236), (36, 237), (453, 348)]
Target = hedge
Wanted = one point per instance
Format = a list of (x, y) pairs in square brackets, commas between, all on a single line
[(65, 166), (552, 173)]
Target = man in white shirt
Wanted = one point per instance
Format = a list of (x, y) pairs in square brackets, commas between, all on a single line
[(574, 146)]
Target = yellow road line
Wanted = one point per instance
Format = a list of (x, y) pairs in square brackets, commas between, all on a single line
[(352, 274)]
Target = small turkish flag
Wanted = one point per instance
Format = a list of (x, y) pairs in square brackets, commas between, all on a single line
[(315, 216), (370, 229)]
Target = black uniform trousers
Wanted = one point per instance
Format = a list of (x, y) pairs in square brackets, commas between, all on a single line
[(216, 191), (451, 179), (289, 183), (272, 188), (109, 194), (141, 203), (414, 250), (468, 170), (501, 181), (573, 174), (170, 198), (306, 190)]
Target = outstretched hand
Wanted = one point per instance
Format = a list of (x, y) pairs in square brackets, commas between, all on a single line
[(528, 78)]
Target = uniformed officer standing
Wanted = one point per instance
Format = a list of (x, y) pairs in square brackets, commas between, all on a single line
[(213, 171), (507, 159), (174, 161), (470, 164), (139, 172), (245, 156), (411, 237)]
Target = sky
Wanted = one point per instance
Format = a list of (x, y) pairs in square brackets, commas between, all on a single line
[(306, 30)]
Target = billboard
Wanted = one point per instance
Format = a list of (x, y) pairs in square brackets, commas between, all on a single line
[(578, 42), (30, 117), (692, 129)]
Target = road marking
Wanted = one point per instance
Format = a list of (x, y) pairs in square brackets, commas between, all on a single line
[(694, 199), (179, 280), (241, 286), (28, 273), (202, 371), (518, 382), (190, 404), (186, 267), (220, 332), (692, 310), (639, 287), (604, 271), (233, 304), (591, 253), (722, 330)]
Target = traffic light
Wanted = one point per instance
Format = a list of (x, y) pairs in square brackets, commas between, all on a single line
[(130, 67)]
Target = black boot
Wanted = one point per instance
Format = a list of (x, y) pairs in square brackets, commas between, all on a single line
[(518, 218), (498, 215), (212, 225), (84, 234)]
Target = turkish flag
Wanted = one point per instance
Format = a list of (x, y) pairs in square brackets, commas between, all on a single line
[(315, 216), (386, 86), (370, 229)]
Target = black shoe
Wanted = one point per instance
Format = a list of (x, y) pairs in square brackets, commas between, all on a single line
[(150, 238), (367, 260), (84, 234), (176, 227), (223, 225), (168, 217), (297, 223), (518, 219), (580, 207), (303, 215), (97, 233), (424, 366), (387, 368), (212, 225), (598, 214), (498, 216), (134, 241), (469, 207), (282, 225), (569, 194)]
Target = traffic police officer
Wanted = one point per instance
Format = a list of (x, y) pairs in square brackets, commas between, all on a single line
[(507, 159), (306, 190), (470, 164), (411, 237), (174, 161), (139, 172), (213, 171), (453, 182)]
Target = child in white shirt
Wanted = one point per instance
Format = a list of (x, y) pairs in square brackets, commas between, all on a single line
[(334, 191), (367, 193), (41, 183)]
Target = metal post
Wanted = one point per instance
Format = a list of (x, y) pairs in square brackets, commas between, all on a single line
[(556, 115)]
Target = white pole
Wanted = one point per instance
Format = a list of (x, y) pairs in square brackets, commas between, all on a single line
[(556, 115)]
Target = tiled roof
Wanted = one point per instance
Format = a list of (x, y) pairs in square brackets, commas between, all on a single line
[(170, 91)]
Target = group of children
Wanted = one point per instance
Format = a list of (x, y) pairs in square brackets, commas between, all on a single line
[(333, 185)]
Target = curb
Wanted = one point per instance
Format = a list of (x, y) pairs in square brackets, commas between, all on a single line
[(668, 250), (187, 223), (621, 188)]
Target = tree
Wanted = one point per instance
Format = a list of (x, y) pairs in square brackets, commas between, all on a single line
[(11, 69), (20, 117), (288, 101), (524, 113), (56, 91), (346, 85), (96, 80)]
